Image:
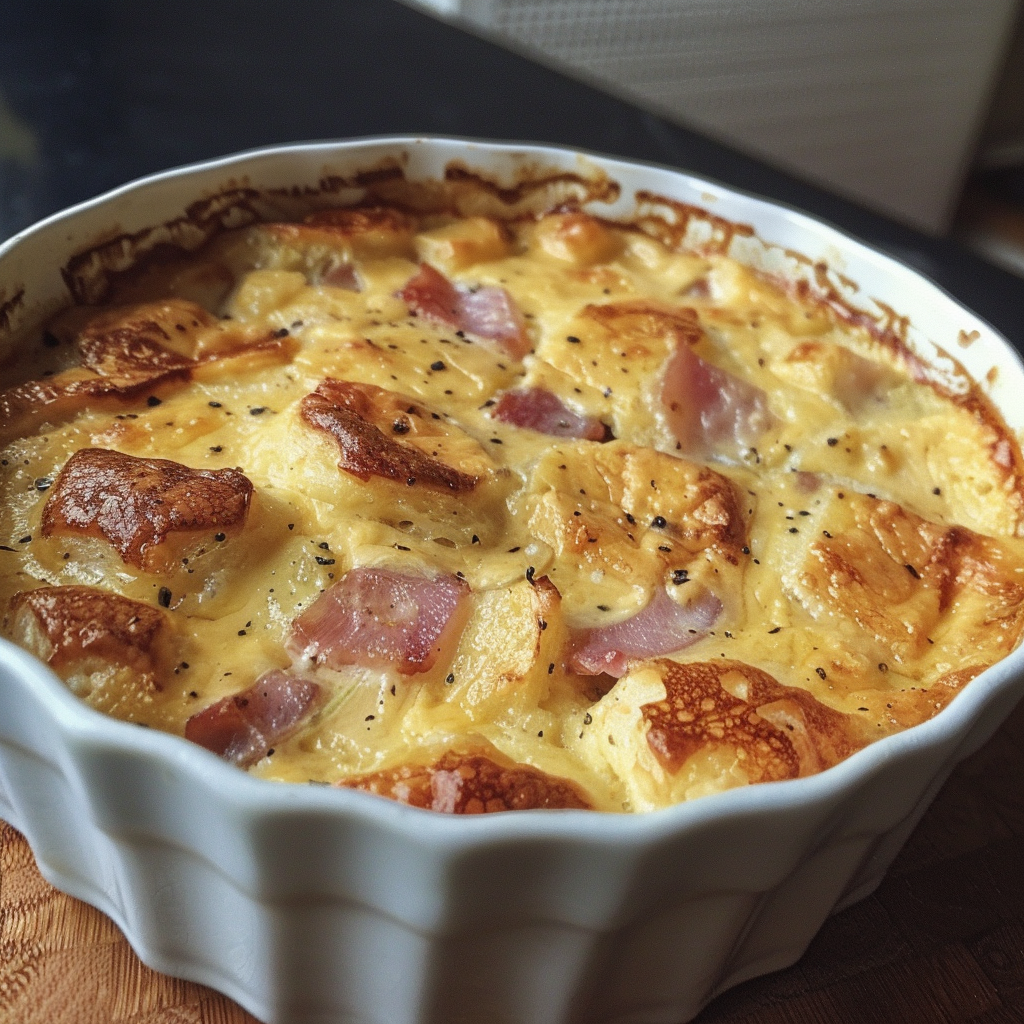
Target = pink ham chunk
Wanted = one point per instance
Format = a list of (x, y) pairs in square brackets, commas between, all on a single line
[(342, 275), (663, 627), (488, 312), (243, 727), (540, 410), (709, 408), (379, 618)]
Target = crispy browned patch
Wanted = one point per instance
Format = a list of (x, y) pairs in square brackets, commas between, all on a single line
[(134, 504), (356, 416), (472, 783), (577, 238), (366, 231), (643, 322), (64, 626), (701, 508), (125, 352), (356, 220), (901, 578), (152, 337), (58, 398), (131, 351), (776, 731)]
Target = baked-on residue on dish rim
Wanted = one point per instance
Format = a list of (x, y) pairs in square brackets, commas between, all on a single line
[(796, 828)]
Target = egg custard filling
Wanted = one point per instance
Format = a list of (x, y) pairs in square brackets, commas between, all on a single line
[(484, 514)]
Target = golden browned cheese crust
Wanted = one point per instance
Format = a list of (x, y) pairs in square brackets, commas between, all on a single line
[(781, 732), (463, 783), (486, 513), (901, 579), (146, 339), (135, 504), (368, 422), (66, 626)]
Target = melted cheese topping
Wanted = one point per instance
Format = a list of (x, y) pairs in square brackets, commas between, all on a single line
[(692, 533)]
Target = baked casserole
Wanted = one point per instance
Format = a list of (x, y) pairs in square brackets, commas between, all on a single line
[(483, 512)]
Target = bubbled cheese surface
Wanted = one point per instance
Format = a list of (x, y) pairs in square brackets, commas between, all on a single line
[(852, 532)]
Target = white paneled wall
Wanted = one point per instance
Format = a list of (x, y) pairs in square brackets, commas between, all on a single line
[(879, 100)]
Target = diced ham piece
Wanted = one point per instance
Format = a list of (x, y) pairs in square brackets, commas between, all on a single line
[(379, 618), (709, 407), (243, 727), (431, 295), (663, 627), (540, 410), (488, 312), (342, 275)]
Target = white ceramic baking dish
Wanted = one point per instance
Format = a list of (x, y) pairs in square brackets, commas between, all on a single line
[(309, 904)]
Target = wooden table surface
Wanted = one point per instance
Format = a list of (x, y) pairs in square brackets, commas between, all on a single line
[(940, 942)]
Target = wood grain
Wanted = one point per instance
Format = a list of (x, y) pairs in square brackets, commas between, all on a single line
[(62, 962), (941, 941)]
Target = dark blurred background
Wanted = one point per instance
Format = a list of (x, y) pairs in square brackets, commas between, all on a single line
[(96, 92)]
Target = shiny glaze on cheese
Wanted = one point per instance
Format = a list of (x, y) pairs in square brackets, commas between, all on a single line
[(854, 539)]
